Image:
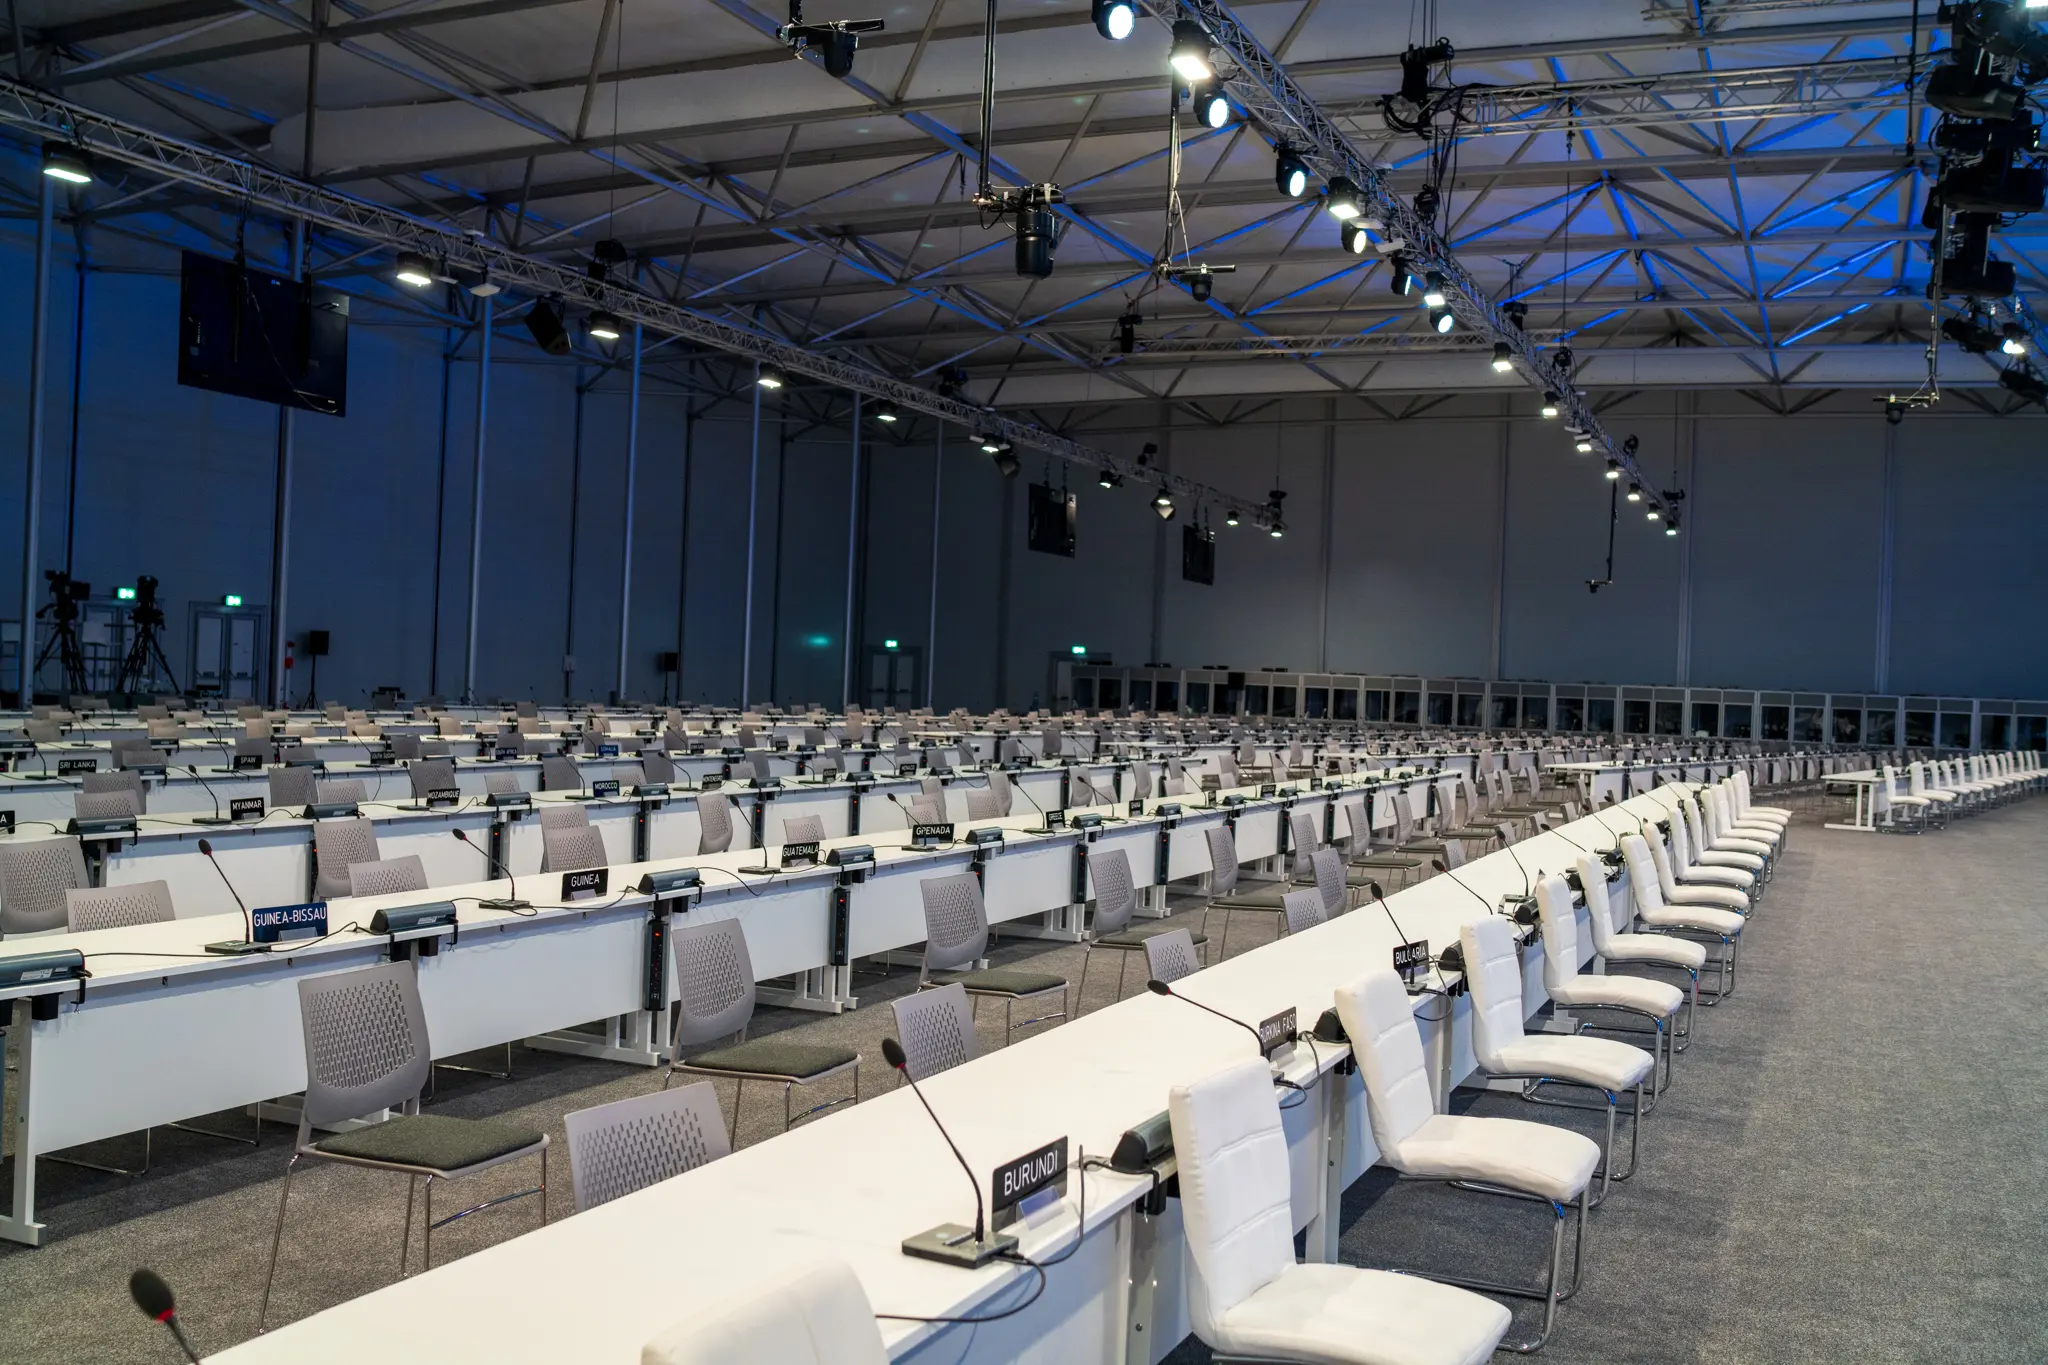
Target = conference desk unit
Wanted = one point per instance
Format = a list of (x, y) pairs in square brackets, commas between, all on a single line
[(594, 1287)]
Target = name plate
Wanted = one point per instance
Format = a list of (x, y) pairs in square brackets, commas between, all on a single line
[(1137, 808), (164, 744), (930, 836), (1267, 789), (246, 807), (1411, 959), (441, 797), (607, 751), (589, 881), (505, 751), (804, 854), (607, 787), (67, 766), (1021, 1187), (282, 923), (248, 763), (1056, 818), (1277, 1032), (6, 822)]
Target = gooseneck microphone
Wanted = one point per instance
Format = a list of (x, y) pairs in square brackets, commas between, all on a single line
[(511, 902), (1438, 864), (1158, 987), (231, 947), (154, 1298), (216, 818), (949, 1242)]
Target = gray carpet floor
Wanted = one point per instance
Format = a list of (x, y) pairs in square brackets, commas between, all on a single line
[(1853, 1165)]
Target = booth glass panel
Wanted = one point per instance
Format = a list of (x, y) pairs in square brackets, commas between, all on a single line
[(1535, 713), (1166, 696), (1468, 710), (1994, 732), (1635, 717), (1955, 729), (1198, 697), (1571, 714), (1600, 715), (1806, 724), (1777, 722), (1315, 702), (1407, 708), (1141, 694), (1919, 729), (1283, 702), (1737, 722), (1848, 727), (1670, 716), (1347, 703), (1881, 728)]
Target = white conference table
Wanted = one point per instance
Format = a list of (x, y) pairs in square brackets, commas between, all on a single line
[(594, 1287)]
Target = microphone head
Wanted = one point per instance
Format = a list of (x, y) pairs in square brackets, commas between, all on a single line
[(206, 848), (152, 1295), (1158, 987), (892, 1053), (1438, 864), (1377, 894), (460, 835)]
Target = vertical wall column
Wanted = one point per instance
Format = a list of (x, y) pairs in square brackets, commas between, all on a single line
[(1881, 667), (281, 515), (1498, 640), (931, 637), (852, 548), (626, 550), (476, 495), (38, 364), (1685, 435), (753, 526)]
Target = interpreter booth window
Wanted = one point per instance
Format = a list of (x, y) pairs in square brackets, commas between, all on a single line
[(1166, 696), (1228, 699), (1407, 708), (1315, 702), (1635, 717), (1141, 694), (1376, 708), (1468, 710), (1955, 729), (1283, 701), (1535, 713), (1919, 729), (1346, 702), (1439, 708), (1706, 718), (1777, 722), (1994, 732), (1500, 713), (1669, 714), (1738, 723), (1881, 728), (1571, 714), (1198, 697), (1600, 715), (1806, 724), (1848, 727), (1109, 693), (2031, 732), (1255, 699), (1084, 693)]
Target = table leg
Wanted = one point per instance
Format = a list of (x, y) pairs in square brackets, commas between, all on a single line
[(19, 1223)]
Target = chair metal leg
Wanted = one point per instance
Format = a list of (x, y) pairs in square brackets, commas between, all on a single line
[(733, 1133), (85, 1165), (1087, 959), (255, 1112), (412, 1189), (428, 1232), (1121, 967), (1223, 952), (276, 1238)]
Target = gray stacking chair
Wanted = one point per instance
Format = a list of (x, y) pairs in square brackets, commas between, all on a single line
[(252, 748), (560, 774), (629, 1144), (367, 1050), (715, 982), (123, 781), (999, 783), (291, 787), (343, 789), (983, 804), (500, 784), (109, 805), (338, 845), (657, 766), (925, 810), (87, 908), (714, 823), (1304, 910), (936, 1029), (564, 817), (34, 875), (572, 849), (406, 748), (1224, 894), (387, 876), (803, 829), (957, 938), (1116, 899), (431, 774), (1171, 956)]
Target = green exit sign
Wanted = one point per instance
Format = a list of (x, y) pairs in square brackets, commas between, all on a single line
[(233, 599), (124, 594), (1078, 649)]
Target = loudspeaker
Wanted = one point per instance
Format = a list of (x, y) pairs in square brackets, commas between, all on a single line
[(548, 332), (668, 661), (316, 644)]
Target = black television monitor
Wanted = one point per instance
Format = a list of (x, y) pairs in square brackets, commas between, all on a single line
[(1052, 520), (1197, 555), (258, 335)]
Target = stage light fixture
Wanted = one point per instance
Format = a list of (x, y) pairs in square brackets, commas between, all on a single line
[(1212, 107), (62, 161), (1006, 460), (886, 411), (1652, 511), (2024, 382), (1549, 408), (1355, 239), (1503, 358), (414, 269), (1671, 526), (1441, 320), (1613, 468), (770, 378), (1230, 517), (989, 444), (1109, 478), (1114, 19), (2015, 342), (1190, 55), (1401, 281), (1635, 491), (1584, 445), (1277, 529), (1341, 200), (1290, 173), (605, 326), (1433, 291)]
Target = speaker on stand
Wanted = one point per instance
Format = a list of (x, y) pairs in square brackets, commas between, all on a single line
[(316, 649)]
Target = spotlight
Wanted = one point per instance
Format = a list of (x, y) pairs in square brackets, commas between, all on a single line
[(1503, 358), (1970, 333), (1426, 202), (1561, 360), (604, 326), (414, 269), (1549, 403), (1652, 511), (989, 444), (836, 42), (1190, 55), (1127, 332), (1401, 281), (1441, 320), (1114, 19), (544, 325), (1006, 460), (1433, 291), (1355, 238), (1635, 491), (886, 411), (1109, 478), (1165, 508), (2022, 381), (1613, 468), (1230, 517), (2015, 342), (61, 161), (1277, 529), (1671, 526), (1290, 173), (1212, 108), (1342, 198), (1584, 445), (770, 378)]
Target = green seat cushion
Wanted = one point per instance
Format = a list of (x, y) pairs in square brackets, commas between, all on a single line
[(1003, 981), (1135, 938), (434, 1142), (772, 1057)]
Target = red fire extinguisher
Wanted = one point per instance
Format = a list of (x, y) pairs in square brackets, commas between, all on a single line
[(286, 690)]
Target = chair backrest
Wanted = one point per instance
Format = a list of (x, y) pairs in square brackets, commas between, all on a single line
[(1493, 974), (113, 805), (1116, 895), (714, 981), (1222, 859), (560, 774), (1379, 1019), (714, 822), (572, 849), (807, 1314), (999, 783), (343, 789), (955, 922), (657, 766), (1307, 839), (629, 1144), (936, 1028), (500, 784), (1560, 931), (337, 846), (387, 876), (407, 747), (1331, 881), (803, 829), (1404, 810), (1235, 1188), (1171, 956), (1141, 780), (123, 781), (366, 1043), (1601, 919), (1304, 910), (925, 810), (983, 804), (431, 775), (116, 907), (291, 787), (1642, 872)]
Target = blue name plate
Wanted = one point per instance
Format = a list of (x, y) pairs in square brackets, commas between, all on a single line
[(607, 751), (281, 923)]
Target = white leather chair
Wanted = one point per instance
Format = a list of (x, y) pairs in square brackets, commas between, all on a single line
[(1689, 872), (1613, 945), (1748, 812), (1710, 850), (1493, 973), (1917, 807), (1492, 1156), (1248, 1298), (1656, 1002), (1709, 922), (808, 1314), (1690, 894), (1759, 841)]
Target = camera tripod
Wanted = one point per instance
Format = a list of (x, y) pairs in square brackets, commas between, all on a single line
[(146, 652), (62, 608)]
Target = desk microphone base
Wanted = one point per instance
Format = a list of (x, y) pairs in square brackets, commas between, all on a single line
[(235, 947), (504, 903), (952, 1244), (213, 820)]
